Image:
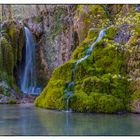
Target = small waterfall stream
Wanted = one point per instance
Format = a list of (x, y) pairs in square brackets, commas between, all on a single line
[(69, 91), (28, 79)]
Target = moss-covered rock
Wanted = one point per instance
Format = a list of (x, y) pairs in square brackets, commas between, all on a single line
[(11, 46), (102, 73), (107, 81), (54, 98)]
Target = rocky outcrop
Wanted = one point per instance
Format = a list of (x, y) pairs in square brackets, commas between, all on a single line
[(12, 43)]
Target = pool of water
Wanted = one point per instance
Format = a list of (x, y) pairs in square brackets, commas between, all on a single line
[(29, 120)]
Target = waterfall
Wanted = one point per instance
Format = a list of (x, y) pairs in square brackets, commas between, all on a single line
[(69, 91), (28, 79)]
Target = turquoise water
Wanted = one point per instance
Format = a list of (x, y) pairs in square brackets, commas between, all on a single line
[(29, 120)]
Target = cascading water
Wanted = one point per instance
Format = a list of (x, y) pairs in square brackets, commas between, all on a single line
[(28, 80), (69, 91)]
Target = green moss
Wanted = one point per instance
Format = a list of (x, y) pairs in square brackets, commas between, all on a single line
[(12, 31), (102, 73), (7, 56), (38, 19), (90, 16), (101, 81), (110, 104), (92, 33), (96, 102), (63, 72), (54, 97), (12, 43), (4, 41), (80, 51), (12, 102), (111, 32), (80, 102), (136, 95)]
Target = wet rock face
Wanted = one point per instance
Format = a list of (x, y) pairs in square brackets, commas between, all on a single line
[(56, 38), (35, 24), (59, 38)]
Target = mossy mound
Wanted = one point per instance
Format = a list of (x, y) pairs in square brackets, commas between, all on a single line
[(99, 81), (104, 81)]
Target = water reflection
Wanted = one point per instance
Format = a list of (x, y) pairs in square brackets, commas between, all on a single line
[(28, 120), (19, 120), (62, 123)]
